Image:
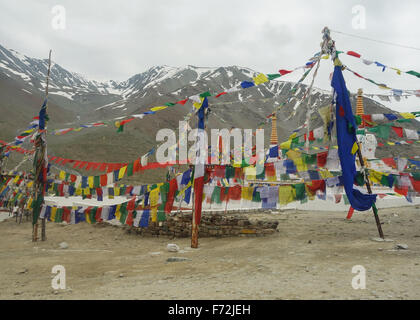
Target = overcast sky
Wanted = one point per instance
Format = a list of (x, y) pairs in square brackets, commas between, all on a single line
[(116, 39)]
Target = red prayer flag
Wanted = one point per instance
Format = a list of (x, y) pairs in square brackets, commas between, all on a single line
[(321, 159), (350, 213), (390, 162), (398, 131), (283, 72), (103, 180), (182, 101), (354, 54)]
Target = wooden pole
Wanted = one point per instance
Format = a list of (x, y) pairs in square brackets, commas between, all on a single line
[(43, 224), (369, 189), (194, 226), (39, 187)]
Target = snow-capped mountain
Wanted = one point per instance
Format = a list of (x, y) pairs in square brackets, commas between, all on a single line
[(33, 72), (75, 100)]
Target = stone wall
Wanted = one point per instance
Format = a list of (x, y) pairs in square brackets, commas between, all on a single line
[(212, 225)]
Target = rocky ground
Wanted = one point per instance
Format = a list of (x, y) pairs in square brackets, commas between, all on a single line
[(310, 257)]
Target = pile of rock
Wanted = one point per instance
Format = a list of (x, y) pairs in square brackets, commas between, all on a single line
[(212, 225)]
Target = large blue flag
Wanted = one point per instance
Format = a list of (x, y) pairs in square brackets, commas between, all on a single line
[(346, 140)]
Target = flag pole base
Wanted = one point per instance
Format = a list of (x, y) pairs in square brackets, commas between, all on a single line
[(43, 231), (378, 222), (194, 236), (35, 232)]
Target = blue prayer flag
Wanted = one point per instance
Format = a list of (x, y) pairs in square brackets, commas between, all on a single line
[(346, 138)]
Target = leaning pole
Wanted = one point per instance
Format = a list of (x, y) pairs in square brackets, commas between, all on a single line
[(328, 47)]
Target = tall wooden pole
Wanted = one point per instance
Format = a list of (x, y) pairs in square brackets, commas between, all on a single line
[(38, 185), (194, 226), (369, 189), (43, 232)]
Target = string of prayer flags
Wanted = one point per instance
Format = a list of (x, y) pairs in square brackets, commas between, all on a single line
[(378, 64)]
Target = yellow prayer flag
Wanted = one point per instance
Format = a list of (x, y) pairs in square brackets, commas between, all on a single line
[(87, 216), (286, 145), (121, 173), (292, 154), (154, 198), (300, 164), (261, 78), (286, 194), (250, 173), (197, 105), (246, 193), (158, 108), (90, 181), (53, 213), (28, 204), (118, 212), (407, 115), (116, 191), (354, 148), (375, 176), (326, 174)]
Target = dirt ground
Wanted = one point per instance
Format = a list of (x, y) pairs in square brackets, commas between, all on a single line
[(311, 257)]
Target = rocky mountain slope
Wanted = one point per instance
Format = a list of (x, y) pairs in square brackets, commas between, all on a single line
[(75, 100)]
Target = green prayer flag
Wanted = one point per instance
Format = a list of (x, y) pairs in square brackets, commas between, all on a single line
[(309, 158), (205, 94), (215, 196), (92, 214), (272, 76), (261, 176), (130, 169), (256, 196), (230, 172), (416, 175), (59, 215), (382, 131), (161, 215), (384, 181), (359, 179), (414, 73), (124, 212), (300, 191), (96, 181)]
